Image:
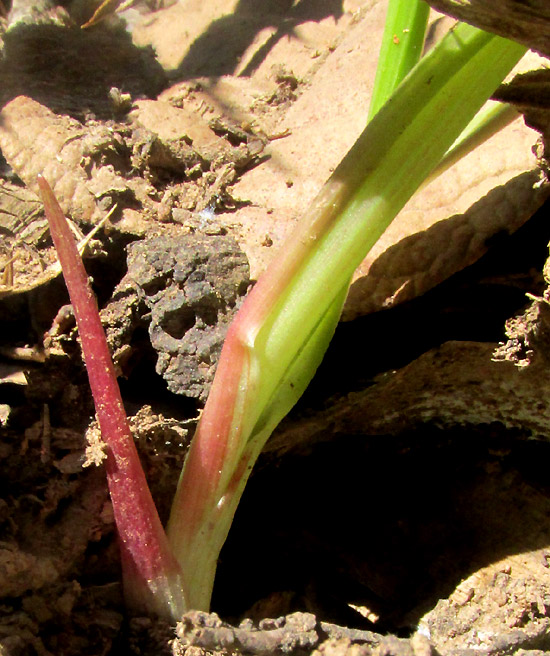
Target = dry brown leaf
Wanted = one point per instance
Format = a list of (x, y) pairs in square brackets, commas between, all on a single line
[(447, 225), (456, 384), (323, 125), (72, 70), (35, 141), (235, 37), (528, 23), (169, 122), (400, 268), (19, 212), (105, 9)]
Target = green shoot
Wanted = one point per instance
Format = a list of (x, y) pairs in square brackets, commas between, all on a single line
[(280, 334)]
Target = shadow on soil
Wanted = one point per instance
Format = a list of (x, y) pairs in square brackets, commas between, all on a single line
[(218, 50), (388, 524), (394, 523), (71, 70)]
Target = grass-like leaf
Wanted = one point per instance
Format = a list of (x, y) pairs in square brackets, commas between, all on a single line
[(283, 328)]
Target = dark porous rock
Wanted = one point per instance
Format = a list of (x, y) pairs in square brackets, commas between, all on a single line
[(187, 289)]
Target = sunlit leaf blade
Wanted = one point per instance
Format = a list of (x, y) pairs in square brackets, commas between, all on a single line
[(285, 319), (401, 48)]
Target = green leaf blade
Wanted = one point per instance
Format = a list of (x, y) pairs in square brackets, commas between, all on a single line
[(401, 48), (284, 325)]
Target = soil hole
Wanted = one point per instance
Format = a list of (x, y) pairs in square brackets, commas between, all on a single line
[(386, 524)]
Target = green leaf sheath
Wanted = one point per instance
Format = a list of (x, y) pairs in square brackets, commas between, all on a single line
[(284, 326), (395, 153)]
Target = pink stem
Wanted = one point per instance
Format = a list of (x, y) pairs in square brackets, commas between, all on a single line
[(152, 577)]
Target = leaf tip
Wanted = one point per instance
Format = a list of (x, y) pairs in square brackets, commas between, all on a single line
[(42, 184)]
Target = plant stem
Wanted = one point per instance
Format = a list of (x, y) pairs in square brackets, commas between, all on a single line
[(152, 577), (284, 326)]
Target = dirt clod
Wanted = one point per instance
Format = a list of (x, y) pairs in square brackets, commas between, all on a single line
[(189, 287)]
